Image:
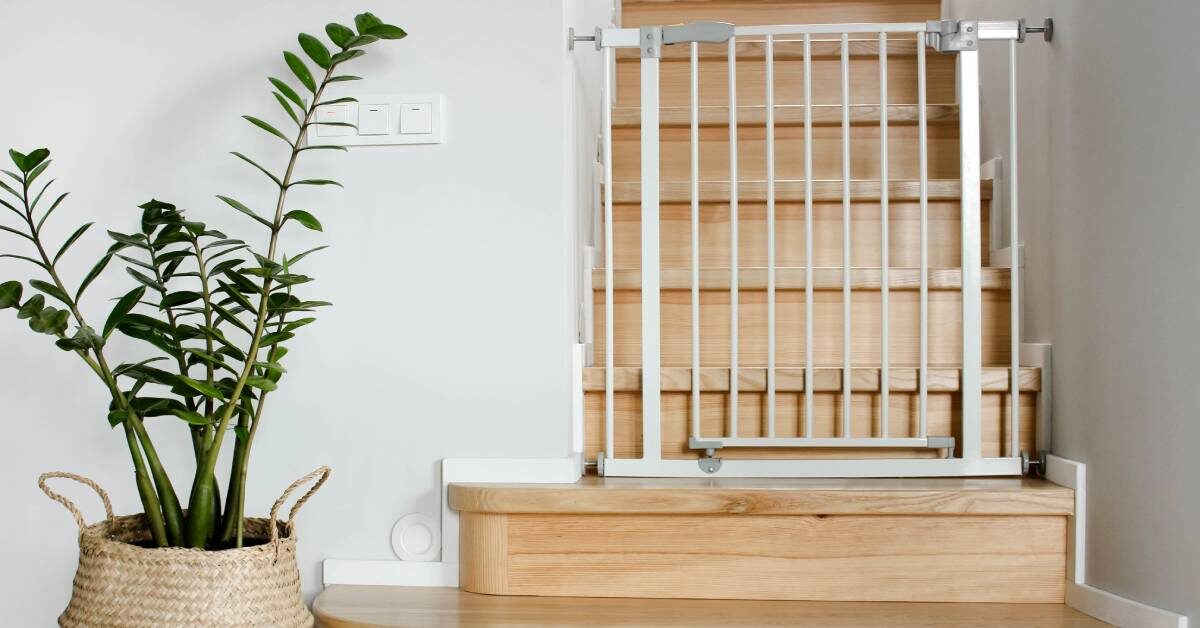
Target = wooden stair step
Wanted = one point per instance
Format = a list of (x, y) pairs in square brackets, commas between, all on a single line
[(926, 540), (792, 190), (793, 278), (825, 379), (769, 496), (785, 115), (353, 606)]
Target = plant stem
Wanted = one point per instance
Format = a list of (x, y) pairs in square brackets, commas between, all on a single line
[(201, 498)]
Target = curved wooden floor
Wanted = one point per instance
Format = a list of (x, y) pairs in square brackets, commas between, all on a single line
[(342, 606)]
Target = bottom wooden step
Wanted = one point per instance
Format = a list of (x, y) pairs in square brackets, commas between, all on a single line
[(927, 540), (344, 606)]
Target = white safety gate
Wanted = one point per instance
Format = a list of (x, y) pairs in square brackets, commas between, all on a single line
[(962, 38)]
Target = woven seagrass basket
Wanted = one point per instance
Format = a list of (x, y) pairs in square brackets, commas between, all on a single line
[(122, 584)]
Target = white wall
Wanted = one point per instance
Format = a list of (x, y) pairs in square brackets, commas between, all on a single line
[(1111, 143), (451, 270)]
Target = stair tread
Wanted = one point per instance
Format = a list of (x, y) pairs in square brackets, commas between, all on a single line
[(360, 606), (793, 278), (854, 496), (793, 190), (785, 115), (825, 379)]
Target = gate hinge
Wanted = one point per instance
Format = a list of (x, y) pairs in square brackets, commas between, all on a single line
[(952, 35), (651, 39), (710, 463)]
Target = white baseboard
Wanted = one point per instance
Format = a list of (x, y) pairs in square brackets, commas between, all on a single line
[(1082, 597), (1120, 611), (444, 573)]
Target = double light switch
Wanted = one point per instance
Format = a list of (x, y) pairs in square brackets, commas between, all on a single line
[(380, 120)]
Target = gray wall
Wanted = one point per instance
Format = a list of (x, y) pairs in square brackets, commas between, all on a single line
[(451, 267), (1111, 147)]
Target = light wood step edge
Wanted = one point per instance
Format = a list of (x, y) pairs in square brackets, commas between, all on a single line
[(792, 190), (787, 48), (933, 496), (793, 278), (825, 379), (785, 115)]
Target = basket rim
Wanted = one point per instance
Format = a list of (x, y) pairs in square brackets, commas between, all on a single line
[(100, 534)]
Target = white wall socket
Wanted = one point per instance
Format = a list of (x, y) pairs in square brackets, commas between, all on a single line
[(381, 120)]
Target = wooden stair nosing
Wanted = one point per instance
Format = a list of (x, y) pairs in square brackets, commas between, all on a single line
[(793, 278), (793, 190), (933, 496), (826, 379), (786, 115)]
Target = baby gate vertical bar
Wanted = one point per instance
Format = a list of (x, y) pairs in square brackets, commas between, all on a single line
[(606, 129), (770, 111), (885, 257), (808, 241), (1014, 242), (695, 146), (847, 362), (651, 342), (968, 97), (923, 315), (733, 241)]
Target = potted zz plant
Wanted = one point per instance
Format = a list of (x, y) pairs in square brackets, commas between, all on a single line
[(214, 314)]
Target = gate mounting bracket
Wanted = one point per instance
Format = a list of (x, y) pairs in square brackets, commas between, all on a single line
[(952, 36), (651, 39)]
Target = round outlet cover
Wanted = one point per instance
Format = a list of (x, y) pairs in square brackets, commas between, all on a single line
[(416, 537)]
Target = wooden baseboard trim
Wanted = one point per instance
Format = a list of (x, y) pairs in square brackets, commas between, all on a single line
[(1118, 610)]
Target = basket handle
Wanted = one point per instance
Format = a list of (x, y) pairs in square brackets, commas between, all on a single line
[(321, 475), (108, 511)]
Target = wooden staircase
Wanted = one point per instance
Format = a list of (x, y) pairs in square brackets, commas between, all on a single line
[(813, 552)]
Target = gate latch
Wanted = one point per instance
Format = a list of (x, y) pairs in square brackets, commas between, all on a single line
[(651, 39), (952, 35)]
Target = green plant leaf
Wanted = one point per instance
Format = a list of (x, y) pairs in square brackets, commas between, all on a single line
[(325, 147), (25, 259), (260, 168), (315, 50), (125, 368), (32, 307), (71, 240), (365, 22), (50, 320), (345, 56), (286, 107), (176, 299), (51, 290), (295, 259), (116, 417), (18, 160), (287, 90), (134, 240), (35, 172), (10, 294), (268, 128), (124, 306), (262, 383), (315, 182), (93, 274), (337, 101), (236, 204), (35, 158), (203, 388), (361, 40), (338, 34), (193, 418), (387, 31), (344, 77), (146, 281), (304, 218), (275, 338), (301, 71)]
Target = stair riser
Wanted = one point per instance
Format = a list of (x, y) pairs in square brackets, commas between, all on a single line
[(675, 81), (944, 233), (943, 414), (944, 344), (903, 151), (834, 558)]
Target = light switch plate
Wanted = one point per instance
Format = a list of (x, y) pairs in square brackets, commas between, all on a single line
[(383, 126)]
